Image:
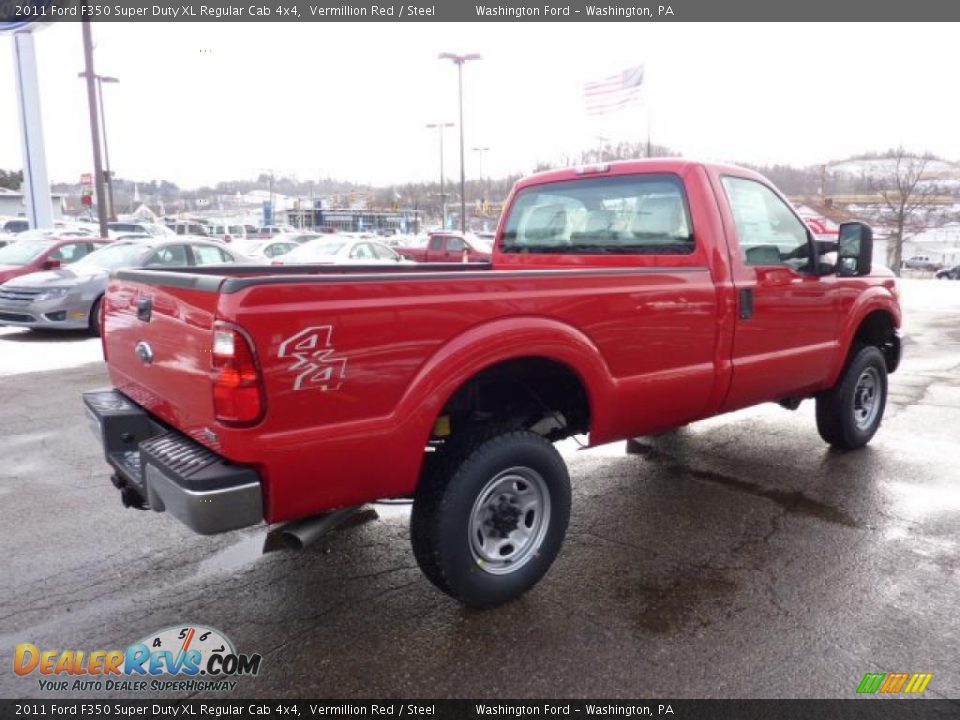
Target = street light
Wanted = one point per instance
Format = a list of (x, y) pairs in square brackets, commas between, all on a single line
[(443, 197), (459, 61), (480, 151), (103, 129)]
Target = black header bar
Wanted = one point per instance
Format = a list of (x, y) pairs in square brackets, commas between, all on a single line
[(861, 709), (15, 11)]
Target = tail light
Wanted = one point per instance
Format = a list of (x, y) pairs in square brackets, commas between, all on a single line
[(238, 397), (227, 239)]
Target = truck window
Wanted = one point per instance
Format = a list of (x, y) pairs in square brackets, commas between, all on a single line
[(436, 243), (768, 230), (454, 244), (635, 214)]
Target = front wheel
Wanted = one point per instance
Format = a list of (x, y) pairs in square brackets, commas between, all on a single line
[(849, 413), (93, 324), (489, 518)]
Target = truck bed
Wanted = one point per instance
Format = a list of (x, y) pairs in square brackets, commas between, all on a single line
[(390, 345)]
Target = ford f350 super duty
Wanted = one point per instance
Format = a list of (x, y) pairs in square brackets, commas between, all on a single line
[(621, 300)]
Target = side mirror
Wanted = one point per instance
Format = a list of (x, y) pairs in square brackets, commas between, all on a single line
[(854, 249), (51, 264)]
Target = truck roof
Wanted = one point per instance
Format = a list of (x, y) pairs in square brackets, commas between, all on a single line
[(625, 167)]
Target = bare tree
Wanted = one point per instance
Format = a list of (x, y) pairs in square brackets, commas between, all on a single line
[(904, 191)]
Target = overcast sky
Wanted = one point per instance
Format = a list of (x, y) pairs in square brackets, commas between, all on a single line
[(198, 103)]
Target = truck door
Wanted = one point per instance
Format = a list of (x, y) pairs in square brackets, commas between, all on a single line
[(435, 249), (785, 339), (455, 248)]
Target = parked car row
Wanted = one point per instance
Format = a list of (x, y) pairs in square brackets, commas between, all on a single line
[(56, 282)]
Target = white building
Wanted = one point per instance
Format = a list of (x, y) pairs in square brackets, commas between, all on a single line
[(13, 204)]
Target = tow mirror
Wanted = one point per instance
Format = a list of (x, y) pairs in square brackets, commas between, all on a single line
[(854, 249)]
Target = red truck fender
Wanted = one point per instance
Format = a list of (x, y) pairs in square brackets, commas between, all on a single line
[(876, 299), (486, 345)]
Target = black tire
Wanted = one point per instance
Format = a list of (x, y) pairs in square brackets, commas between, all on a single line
[(841, 418), (460, 488), (94, 322)]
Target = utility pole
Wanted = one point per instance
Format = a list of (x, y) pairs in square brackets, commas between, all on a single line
[(459, 61), (94, 128)]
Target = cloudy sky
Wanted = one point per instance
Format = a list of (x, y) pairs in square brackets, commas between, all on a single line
[(199, 103)]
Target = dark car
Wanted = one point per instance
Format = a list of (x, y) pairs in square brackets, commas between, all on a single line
[(29, 256), (952, 273), (15, 226)]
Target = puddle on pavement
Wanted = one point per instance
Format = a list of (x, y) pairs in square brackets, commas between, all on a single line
[(793, 501), (684, 603), (233, 557)]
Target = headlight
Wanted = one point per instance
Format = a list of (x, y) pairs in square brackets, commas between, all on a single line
[(52, 294)]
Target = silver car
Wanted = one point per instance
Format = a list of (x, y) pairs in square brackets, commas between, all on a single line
[(69, 298)]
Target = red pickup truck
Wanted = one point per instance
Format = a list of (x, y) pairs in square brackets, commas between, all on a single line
[(622, 300), (447, 247)]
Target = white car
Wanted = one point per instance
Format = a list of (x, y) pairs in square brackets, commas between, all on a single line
[(119, 228), (228, 233), (264, 250), (339, 250)]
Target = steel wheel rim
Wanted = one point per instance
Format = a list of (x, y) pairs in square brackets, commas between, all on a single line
[(509, 520), (866, 398)]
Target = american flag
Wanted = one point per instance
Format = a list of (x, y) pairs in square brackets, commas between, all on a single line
[(614, 92)]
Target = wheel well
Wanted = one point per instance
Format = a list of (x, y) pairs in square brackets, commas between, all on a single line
[(878, 329), (533, 393)]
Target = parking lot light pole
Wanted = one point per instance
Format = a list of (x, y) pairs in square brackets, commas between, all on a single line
[(459, 61), (90, 75), (443, 197), (480, 151), (112, 211)]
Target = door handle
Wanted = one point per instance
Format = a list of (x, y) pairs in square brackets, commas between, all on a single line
[(746, 303), (145, 308)]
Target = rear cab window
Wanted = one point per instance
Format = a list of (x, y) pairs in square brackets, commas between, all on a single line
[(644, 214)]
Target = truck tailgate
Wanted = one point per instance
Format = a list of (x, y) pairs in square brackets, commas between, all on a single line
[(158, 343)]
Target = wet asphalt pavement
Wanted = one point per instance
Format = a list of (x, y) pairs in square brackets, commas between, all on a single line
[(738, 557)]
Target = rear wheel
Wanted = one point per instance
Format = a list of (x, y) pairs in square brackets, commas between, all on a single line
[(849, 413), (489, 518)]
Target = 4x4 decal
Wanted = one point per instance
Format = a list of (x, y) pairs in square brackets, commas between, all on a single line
[(315, 365)]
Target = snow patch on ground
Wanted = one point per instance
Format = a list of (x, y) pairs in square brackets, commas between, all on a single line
[(24, 351)]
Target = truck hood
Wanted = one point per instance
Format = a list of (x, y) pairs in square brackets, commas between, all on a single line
[(65, 277)]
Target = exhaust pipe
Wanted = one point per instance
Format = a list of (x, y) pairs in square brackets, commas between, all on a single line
[(299, 534)]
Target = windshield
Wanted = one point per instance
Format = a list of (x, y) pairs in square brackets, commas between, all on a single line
[(118, 255), (315, 249), (23, 252), (641, 214)]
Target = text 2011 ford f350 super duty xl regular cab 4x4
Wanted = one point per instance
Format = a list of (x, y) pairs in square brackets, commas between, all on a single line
[(622, 300)]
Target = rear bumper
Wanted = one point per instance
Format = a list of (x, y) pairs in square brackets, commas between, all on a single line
[(166, 471)]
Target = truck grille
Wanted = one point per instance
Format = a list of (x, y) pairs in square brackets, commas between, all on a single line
[(19, 294), (178, 453)]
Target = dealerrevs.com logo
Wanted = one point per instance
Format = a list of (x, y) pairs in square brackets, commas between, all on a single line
[(180, 658)]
